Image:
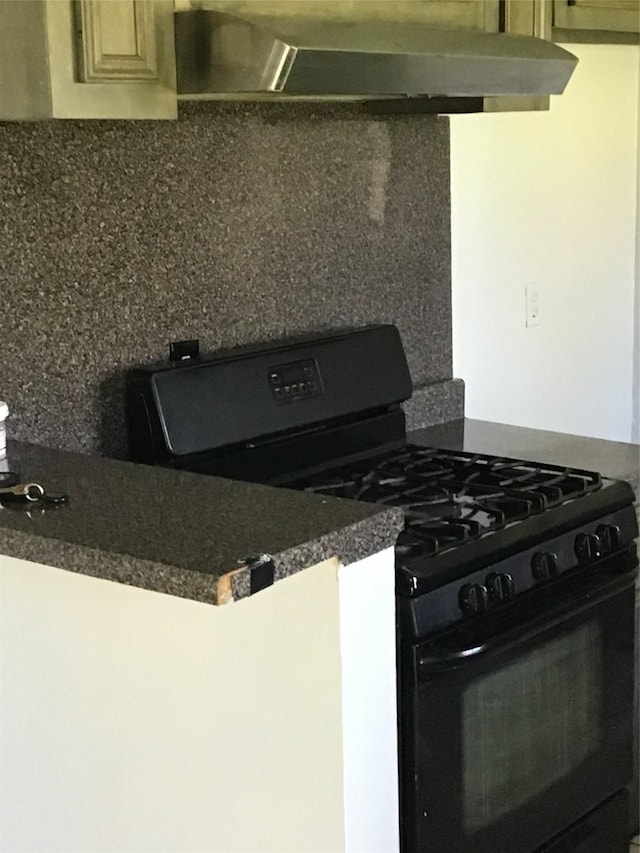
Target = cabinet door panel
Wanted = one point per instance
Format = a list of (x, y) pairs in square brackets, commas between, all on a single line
[(598, 15), (112, 58), (450, 14), (528, 18), (116, 41)]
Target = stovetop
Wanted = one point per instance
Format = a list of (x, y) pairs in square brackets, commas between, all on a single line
[(450, 498), (465, 511)]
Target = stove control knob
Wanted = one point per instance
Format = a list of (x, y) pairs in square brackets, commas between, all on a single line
[(500, 586), (544, 565), (610, 536), (473, 598), (588, 547)]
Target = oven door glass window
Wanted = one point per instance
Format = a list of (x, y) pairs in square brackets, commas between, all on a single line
[(530, 724), (503, 749)]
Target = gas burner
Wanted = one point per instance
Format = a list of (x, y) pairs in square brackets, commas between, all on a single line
[(416, 461), (423, 538), (463, 516)]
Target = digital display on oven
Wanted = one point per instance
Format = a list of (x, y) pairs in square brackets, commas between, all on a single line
[(297, 380)]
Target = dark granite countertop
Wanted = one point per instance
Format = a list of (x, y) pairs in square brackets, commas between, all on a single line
[(176, 532), (610, 458)]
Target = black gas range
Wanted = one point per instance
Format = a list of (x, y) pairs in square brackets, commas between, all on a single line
[(505, 567)]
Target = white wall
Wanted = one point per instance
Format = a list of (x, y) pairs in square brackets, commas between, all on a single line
[(550, 199)]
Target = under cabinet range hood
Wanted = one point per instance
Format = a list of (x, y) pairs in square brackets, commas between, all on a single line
[(233, 56)]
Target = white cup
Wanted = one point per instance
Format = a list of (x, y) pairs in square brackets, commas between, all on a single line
[(4, 414)]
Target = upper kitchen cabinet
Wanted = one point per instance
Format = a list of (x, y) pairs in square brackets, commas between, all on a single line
[(102, 59), (526, 18), (450, 14), (522, 17), (611, 21), (133, 59), (478, 15)]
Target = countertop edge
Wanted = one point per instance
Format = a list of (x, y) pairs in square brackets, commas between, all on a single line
[(353, 542), (108, 565)]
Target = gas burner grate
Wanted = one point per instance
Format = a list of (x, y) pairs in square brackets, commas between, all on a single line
[(556, 483), (452, 497), (426, 538)]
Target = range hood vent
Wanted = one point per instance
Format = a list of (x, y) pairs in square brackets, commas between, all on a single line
[(222, 55)]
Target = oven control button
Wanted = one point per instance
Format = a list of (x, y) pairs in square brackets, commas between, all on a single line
[(544, 565), (610, 537), (588, 547), (473, 598), (500, 586)]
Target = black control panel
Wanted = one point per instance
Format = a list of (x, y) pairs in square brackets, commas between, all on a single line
[(218, 402), (297, 380)]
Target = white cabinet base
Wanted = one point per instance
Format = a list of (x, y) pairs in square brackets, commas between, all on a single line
[(134, 721)]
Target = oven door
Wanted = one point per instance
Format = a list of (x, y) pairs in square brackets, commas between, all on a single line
[(519, 723)]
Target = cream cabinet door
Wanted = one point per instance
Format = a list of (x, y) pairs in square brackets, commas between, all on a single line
[(87, 59), (449, 14), (111, 58), (528, 18), (596, 20)]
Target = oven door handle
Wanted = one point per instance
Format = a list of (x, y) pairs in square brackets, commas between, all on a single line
[(431, 660)]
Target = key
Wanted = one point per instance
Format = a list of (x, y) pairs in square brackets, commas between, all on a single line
[(26, 491)]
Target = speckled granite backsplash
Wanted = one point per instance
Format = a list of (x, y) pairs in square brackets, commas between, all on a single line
[(238, 223)]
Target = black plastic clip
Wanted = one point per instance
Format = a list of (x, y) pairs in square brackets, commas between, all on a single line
[(262, 571), (184, 350)]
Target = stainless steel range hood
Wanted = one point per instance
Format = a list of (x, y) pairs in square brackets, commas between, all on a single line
[(221, 55)]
